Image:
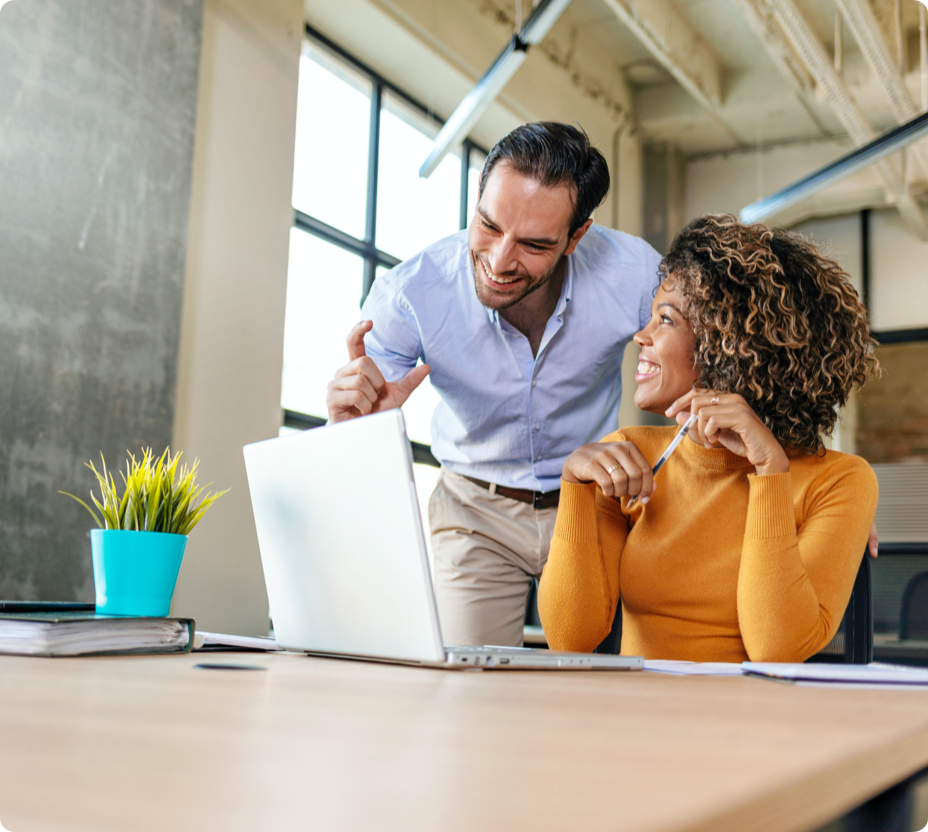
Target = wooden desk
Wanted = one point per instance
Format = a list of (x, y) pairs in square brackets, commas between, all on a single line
[(151, 743)]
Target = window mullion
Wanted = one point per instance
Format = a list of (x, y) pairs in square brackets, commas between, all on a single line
[(465, 175), (373, 164)]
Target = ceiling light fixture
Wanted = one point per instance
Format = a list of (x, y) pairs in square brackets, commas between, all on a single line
[(882, 146), (477, 101)]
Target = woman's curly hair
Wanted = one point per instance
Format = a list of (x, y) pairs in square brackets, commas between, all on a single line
[(775, 322)]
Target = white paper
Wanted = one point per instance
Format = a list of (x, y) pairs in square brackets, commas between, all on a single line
[(677, 668), (226, 640), (866, 674)]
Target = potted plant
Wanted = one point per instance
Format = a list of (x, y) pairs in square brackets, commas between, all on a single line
[(138, 547)]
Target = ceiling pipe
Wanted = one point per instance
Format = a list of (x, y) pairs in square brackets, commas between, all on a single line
[(819, 62), (476, 102), (890, 142), (864, 27), (923, 53)]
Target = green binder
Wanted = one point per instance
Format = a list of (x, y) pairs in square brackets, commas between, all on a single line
[(88, 634)]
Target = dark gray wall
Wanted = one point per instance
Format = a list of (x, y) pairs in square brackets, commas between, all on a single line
[(97, 116)]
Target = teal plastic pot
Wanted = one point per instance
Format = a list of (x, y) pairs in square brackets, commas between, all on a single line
[(134, 572)]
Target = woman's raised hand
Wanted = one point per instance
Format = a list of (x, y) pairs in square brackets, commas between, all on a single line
[(726, 419), (618, 468)]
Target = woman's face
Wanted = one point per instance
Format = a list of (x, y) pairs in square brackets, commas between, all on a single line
[(666, 369)]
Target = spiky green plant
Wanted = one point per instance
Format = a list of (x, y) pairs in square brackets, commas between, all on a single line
[(158, 496)]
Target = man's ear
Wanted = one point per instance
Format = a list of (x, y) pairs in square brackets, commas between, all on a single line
[(578, 236)]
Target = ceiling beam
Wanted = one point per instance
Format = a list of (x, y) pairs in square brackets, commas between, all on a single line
[(671, 40), (866, 31), (819, 63), (790, 65)]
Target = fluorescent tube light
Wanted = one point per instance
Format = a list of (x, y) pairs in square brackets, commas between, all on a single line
[(890, 142), (475, 103)]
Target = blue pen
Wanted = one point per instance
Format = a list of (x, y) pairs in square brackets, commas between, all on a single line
[(670, 449)]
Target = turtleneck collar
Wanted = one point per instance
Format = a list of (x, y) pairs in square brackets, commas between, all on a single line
[(713, 459)]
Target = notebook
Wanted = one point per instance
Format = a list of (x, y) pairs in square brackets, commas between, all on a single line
[(344, 555)]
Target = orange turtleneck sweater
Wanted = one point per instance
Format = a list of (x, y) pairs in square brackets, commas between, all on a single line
[(720, 565)]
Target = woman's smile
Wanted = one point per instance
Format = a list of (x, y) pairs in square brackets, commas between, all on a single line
[(666, 369), (646, 369)]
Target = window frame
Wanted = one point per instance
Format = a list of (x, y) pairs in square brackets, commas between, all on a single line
[(366, 248)]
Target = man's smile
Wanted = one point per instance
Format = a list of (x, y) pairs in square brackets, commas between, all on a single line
[(494, 279)]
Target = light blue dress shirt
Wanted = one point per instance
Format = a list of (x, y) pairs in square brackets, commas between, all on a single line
[(505, 415)]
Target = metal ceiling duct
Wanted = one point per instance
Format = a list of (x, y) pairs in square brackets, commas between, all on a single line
[(819, 62), (475, 103), (863, 24), (890, 142)]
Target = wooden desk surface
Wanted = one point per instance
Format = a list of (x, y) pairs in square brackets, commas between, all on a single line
[(153, 743)]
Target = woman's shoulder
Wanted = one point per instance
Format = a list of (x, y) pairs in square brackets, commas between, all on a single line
[(833, 466)]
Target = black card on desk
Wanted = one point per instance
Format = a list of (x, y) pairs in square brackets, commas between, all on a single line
[(46, 606), (85, 633)]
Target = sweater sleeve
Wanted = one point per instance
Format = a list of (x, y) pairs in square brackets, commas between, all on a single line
[(794, 585), (579, 589)]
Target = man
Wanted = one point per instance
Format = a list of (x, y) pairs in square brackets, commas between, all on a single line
[(522, 322)]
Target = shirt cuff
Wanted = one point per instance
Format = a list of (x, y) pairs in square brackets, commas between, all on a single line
[(770, 507)]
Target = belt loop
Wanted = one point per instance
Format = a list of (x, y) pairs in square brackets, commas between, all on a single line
[(536, 499), (492, 488)]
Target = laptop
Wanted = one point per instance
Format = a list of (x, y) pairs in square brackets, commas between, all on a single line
[(344, 554)]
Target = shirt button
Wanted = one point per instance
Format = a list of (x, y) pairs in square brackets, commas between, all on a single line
[(537, 426), (534, 382)]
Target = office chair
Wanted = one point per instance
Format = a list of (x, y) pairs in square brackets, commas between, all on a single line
[(852, 644), (913, 618)]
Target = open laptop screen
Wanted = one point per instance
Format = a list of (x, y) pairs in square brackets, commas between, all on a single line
[(341, 541)]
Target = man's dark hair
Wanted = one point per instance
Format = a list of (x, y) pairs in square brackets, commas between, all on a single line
[(555, 154)]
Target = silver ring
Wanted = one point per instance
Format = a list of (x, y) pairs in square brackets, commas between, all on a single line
[(714, 400), (611, 469)]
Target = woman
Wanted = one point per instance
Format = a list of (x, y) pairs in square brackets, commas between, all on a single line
[(746, 545)]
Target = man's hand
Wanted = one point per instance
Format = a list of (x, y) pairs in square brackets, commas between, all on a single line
[(359, 387), (873, 543)]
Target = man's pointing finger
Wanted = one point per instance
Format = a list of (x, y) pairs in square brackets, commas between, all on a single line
[(355, 340)]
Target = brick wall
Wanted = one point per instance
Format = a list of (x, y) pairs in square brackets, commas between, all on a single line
[(893, 409)]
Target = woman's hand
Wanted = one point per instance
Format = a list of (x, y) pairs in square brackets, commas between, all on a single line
[(727, 419), (618, 468)]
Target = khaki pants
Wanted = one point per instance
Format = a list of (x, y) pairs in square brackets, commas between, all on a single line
[(487, 550)]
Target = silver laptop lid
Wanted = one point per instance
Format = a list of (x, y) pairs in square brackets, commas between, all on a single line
[(341, 541)]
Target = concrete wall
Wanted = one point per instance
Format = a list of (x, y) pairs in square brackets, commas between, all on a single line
[(231, 352), (97, 112)]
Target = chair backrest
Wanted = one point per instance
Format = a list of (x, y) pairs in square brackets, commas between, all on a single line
[(913, 618), (852, 644)]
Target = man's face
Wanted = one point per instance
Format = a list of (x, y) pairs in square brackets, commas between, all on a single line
[(518, 236)]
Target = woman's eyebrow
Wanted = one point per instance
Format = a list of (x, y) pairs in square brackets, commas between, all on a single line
[(665, 303)]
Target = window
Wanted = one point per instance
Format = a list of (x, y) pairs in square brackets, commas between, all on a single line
[(359, 209)]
